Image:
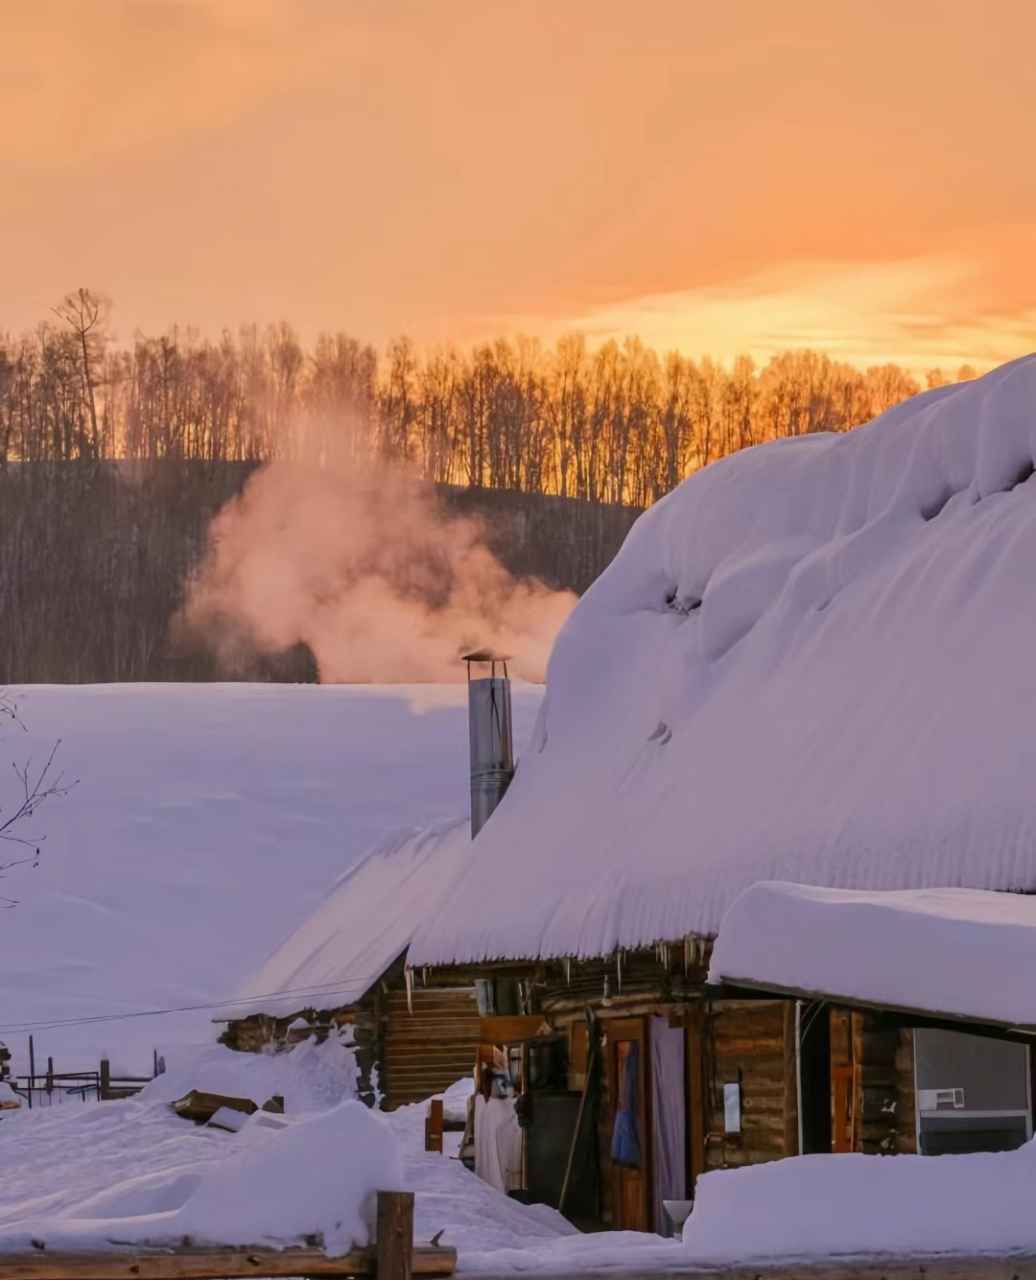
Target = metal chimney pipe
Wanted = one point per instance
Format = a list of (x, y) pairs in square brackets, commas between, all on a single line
[(490, 736)]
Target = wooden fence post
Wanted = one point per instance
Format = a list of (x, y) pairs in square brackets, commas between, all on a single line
[(394, 1242), (433, 1126), (105, 1081)]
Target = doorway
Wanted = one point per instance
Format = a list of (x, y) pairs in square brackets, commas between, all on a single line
[(629, 1133)]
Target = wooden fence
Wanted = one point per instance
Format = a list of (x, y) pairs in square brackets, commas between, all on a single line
[(393, 1256), (51, 1087)]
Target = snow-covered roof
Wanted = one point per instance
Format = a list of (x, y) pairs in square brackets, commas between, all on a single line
[(812, 661), (361, 928), (959, 953)]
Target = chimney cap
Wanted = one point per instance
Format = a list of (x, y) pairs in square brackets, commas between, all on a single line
[(485, 655), (489, 658)]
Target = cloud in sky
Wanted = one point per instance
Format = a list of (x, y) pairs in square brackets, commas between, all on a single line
[(920, 312), (719, 175)]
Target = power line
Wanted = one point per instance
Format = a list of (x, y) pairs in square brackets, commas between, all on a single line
[(317, 992)]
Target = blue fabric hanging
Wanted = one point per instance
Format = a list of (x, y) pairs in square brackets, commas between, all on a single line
[(626, 1134)]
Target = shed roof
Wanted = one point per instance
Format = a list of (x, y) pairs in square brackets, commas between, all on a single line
[(361, 928), (962, 954)]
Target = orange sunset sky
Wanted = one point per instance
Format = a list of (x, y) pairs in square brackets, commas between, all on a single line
[(717, 176)]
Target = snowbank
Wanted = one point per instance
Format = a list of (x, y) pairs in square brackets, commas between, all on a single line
[(312, 1077), (365, 924), (91, 1176), (209, 821), (963, 952), (83, 1176), (280, 1184), (811, 662), (842, 1205)]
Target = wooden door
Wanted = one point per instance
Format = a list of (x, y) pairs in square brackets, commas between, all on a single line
[(628, 1067)]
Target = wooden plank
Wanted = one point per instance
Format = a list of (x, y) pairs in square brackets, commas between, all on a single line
[(888, 1269), (790, 1100), (211, 1264), (748, 1046), (510, 1030), (936, 1018)]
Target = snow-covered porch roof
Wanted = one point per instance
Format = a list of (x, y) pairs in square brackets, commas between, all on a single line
[(958, 954), (363, 926)]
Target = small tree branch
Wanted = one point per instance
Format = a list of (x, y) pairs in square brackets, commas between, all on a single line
[(35, 788)]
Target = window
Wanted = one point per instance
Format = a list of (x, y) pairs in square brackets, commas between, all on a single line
[(972, 1092)]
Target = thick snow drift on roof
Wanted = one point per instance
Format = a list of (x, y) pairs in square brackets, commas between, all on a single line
[(812, 661), (208, 822), (361, 928), (839, 1206), (964, 952)]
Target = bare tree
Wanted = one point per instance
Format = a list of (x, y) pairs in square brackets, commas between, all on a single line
[(86, 314), (36, 784)]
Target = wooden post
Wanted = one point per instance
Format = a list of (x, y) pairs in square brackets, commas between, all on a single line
[(32, 1070), (791, 1081), (105, 1085), (394, 1242), (433, 1126)]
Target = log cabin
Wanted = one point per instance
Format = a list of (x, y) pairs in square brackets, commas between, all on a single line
[(645, 1067), (885, 1040), (662, 1064)]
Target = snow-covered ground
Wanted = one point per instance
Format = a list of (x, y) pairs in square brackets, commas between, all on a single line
[(86, 1176), (208, 822), (831, 1206)]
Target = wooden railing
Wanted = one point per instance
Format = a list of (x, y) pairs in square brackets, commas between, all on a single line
[(393, 1256)]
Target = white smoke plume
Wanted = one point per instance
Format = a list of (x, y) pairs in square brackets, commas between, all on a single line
[(364, 565)]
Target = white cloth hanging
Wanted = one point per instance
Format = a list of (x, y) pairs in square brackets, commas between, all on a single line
[(498, 1143)]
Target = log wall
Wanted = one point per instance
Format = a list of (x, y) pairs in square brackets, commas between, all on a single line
[(751, 1043), (426, 1051), (406, 1057), (876, 1097), (906, 1098)]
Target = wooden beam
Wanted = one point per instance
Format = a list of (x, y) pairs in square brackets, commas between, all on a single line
[(791, 1091), (744, 989), (982, 1268), (394, 1250), (211, 1264)]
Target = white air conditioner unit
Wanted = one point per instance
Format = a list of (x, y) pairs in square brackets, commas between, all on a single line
[(940, 1099)]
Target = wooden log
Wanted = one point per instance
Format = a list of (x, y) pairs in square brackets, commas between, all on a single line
[(748, 1046), (210, 1264), (890, 1269), (394, 1236)]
